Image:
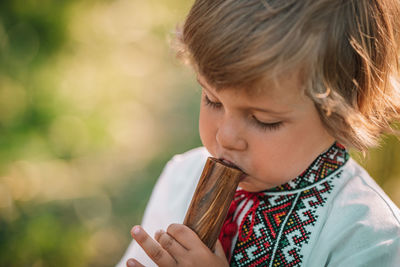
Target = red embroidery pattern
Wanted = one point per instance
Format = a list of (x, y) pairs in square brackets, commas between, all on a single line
[(258, 247)]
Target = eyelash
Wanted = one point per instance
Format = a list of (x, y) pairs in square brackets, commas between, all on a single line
[(261, 125), (266, 126), (210, 103)]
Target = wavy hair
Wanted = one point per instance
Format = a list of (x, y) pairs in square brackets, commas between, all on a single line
[(347, 51)]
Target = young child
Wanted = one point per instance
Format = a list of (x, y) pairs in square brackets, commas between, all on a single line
[(288, 86)]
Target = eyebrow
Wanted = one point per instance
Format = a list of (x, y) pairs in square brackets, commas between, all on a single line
[(205, 87), (252, 108), (201, 83)]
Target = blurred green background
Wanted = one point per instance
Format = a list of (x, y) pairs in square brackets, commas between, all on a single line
[(92, 105)]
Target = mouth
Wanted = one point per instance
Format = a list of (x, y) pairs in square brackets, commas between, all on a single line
[(233, 165), (229, 163)]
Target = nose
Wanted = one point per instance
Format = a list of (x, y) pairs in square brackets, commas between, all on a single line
[(229, 135)]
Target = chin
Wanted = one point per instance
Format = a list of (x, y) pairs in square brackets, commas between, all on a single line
[(247, 185)]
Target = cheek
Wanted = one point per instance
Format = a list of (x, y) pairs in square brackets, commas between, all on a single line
[(272, 154), (207, 129)]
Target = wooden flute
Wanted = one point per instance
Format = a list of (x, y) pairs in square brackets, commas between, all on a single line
[(211, 200)]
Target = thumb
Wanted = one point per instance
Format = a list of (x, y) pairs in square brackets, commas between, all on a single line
[(219, 250)]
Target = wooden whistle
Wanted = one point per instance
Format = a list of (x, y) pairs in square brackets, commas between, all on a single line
[(211, 200)]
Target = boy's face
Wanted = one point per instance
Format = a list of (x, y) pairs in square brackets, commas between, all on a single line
[(273, 135)]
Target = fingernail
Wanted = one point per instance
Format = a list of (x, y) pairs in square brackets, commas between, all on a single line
[(136, 230), (130, 263)]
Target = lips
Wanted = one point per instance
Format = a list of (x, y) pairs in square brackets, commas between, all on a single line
[(229, 163), (233, 165)]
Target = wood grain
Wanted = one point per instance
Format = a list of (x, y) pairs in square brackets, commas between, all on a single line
[(211, 200)]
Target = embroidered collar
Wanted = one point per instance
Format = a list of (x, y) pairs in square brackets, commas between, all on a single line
[(325, 164), (269, 211)]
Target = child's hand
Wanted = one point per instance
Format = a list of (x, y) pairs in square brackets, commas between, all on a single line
[(179, 246)]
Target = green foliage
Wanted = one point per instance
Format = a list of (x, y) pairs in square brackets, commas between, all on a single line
[(35, 31), (43, 234), (69, 192), (31, 33)]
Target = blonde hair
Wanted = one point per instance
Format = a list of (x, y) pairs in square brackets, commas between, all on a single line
[(347, 50)]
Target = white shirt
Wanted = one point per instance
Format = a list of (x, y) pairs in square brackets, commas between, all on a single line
[(357, 226)]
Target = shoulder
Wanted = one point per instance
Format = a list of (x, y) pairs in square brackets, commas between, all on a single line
[(190, 157), (187, 163), (179, 179), (359, 192), (362, 224)]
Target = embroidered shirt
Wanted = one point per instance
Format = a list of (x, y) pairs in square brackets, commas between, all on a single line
[(334, 215), (281, 220)]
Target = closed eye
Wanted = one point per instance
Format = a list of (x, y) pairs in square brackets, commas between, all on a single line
[(210, 103), (253, 119), (266, 125)]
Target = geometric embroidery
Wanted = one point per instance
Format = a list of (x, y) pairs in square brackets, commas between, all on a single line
[(257, 249), (325, 164), (282, 222), (298, 228)]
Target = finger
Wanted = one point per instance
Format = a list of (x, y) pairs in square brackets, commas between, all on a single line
[(157, 235), (185, 236), (133, 263), (175, 249), (219, 250), (152, 248)]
